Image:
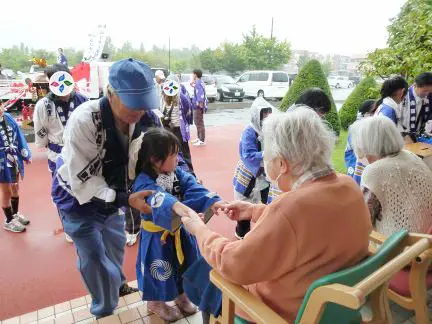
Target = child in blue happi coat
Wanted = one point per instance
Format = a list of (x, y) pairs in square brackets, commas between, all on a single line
[(250, 183), (354, 166), (14, 151), (166, 250)]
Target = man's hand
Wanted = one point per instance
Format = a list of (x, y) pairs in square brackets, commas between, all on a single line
[(238, 210), (193, 222), (137, 201), (29, 161)]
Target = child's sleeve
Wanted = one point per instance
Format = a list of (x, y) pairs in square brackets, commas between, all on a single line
[(249, 152), (24, 150), (196, 196), (161, 202)]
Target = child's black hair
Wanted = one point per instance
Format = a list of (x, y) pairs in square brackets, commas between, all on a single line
[(198, 73), (158, 144), (424, 79), (316, 99), (389, 87), (265, 111), (366, 106)]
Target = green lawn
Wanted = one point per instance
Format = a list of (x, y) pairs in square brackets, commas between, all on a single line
[(338, 154)]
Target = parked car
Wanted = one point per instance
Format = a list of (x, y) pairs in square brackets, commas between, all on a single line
[(340, 82), (227, 88), (210, 85), (269, 84)]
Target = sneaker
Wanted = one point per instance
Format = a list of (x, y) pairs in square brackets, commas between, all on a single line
[(14, 226), (131, 239), (68, 238), (21, 218), (125, 289), (195, 140), (199, 143)]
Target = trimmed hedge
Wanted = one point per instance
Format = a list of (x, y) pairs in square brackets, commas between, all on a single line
[(366, 89), (312, 75)]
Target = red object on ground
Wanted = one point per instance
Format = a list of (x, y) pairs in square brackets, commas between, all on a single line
[(38, 268)]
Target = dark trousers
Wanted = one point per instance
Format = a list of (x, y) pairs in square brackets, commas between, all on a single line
[(184, 147), (198, 117)]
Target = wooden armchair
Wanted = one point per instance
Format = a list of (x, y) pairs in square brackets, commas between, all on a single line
[(335, 298), (408, 288)]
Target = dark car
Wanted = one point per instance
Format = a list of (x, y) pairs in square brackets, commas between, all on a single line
[(227, 88)]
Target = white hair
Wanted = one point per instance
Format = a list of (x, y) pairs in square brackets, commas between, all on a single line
[(375, 136), (301, 137)]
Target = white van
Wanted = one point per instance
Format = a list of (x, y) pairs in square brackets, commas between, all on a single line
[(269, 84)]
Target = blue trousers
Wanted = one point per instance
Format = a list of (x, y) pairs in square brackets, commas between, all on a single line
[(100, 243)]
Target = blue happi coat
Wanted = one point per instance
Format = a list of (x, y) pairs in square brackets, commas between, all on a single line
[(13, 149), (158, 269), (250, 165), (354, 167)]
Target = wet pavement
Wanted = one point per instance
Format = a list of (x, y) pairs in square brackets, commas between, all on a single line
[(231, 113)]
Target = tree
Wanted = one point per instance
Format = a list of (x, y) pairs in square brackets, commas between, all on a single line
[(312, 75), (109, 47), (260, 52), (409, 50), (232, 59), (366, 89), (179, 66), (302, 60), (210, 61), (327, 67)]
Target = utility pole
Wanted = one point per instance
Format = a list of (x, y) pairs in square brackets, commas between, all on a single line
[(271, 33), (169, 54)]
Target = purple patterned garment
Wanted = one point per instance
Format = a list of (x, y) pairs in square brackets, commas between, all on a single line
[(185, 116), (199, 95)]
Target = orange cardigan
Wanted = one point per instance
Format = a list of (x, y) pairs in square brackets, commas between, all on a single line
[(319, 228)]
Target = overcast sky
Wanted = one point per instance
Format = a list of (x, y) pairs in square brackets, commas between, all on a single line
[(325, 26)]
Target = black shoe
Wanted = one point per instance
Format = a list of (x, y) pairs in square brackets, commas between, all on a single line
[(242, 228), (126, 290)]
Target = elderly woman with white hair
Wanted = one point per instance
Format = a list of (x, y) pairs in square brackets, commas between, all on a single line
[(397, 184), (304, 234)]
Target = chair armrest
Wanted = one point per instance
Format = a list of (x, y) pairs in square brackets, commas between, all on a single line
[(251, 305), (385, 273)]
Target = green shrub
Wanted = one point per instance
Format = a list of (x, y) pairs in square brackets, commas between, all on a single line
[(312, 75), (366, 89)]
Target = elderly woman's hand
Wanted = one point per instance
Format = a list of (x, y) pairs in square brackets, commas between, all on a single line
[(238, 210), (193, 222)]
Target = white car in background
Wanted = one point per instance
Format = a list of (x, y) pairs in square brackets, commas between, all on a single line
[(268, 84), (210, 85), (340, 82)]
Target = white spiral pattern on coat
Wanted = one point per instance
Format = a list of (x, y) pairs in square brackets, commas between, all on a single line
[(160, 270)]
